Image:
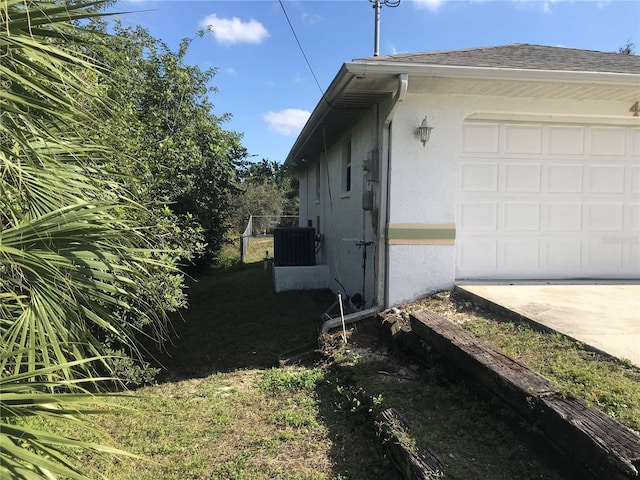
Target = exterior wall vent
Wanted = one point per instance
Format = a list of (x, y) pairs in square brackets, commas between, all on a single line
[(294, 247)]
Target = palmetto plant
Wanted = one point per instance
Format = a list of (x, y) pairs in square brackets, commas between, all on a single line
[(74, 263), (29, 452), (75, 266)]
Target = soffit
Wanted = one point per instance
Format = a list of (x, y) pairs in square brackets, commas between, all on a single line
[(341, 115), (524, 88)]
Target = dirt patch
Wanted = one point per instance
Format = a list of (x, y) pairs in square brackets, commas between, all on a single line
[(444, 303)]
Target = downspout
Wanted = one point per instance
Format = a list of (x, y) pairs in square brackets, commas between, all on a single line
[(351, 318), (385, 161)]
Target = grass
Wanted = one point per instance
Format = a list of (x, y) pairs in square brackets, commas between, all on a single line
[(222, 410), (610, 385), (259, 248), (247, 424), (222, 427)]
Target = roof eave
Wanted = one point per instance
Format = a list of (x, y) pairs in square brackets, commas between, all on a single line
[(338, 85), (360, 67)]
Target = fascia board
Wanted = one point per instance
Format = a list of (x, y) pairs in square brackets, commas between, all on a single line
[(359, 69)]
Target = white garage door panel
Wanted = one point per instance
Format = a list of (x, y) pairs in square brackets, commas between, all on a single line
[(633, 217), (564, 140), (608, 141), (480, 255), (562, 255), (521, 178), (606, 179), (563, 178), (563, 217), (548, 201), (634, 178), (523, 139), (522, 254), (521, 216)]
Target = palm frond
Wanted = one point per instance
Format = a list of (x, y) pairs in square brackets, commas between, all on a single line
[(28, 452), (74, 266), (72, 273)]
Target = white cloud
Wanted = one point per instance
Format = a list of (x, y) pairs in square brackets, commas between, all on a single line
[(288, 121), (310, 19), (233, 30), (535, 5), (432, 5)]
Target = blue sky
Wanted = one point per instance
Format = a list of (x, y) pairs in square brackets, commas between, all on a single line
[(264, 82)]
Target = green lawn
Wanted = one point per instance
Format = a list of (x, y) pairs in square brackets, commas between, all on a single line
[(222, 410)]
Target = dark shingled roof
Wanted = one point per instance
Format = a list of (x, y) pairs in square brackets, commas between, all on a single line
[(523, 56)]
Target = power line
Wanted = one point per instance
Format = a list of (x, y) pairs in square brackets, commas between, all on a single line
[(302, 50)]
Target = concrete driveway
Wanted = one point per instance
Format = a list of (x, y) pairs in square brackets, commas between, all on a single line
[(605, 317)]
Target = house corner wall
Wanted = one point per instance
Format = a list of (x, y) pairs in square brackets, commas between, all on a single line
[(421, 223)]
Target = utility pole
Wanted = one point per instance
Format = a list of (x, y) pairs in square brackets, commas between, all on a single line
[(376, 30), (377, 6)]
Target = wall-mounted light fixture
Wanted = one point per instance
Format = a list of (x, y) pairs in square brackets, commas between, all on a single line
[(424, 131)]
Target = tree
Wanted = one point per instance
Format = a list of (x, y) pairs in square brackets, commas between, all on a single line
[(69, 253), (185, 162), (266, 188), (76, 262), (628, 48), (258, 199)]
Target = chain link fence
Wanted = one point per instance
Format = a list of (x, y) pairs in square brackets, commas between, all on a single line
[(262, 226)]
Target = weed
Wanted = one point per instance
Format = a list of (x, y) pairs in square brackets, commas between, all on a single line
[(345, 476), (378, 400), (279, 380), (233, 469), (294, 416), (626, 362)]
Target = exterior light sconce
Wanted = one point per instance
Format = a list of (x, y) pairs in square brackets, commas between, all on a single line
[(424, 132)]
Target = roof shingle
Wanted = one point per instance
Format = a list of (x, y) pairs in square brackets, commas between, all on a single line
[(523, 56)]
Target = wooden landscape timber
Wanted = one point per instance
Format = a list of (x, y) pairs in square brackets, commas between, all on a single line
[(583, 435), (393, 430)]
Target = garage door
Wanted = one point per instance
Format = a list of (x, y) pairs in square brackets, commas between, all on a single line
[(548, 201)]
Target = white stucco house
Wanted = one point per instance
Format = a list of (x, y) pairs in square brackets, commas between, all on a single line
[(531, 171)]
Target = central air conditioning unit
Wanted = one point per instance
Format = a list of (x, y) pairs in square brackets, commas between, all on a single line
[(294, 247)]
